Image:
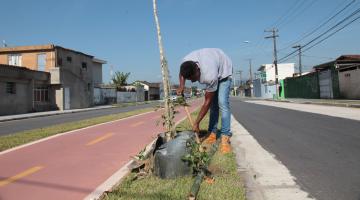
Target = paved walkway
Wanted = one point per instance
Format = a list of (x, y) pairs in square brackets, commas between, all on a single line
[(348, 113), (72, 165), (325, 102)]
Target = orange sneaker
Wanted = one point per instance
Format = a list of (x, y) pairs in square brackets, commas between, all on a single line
[(211, 139), (225, 146)]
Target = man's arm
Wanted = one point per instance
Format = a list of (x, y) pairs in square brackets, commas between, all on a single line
[(204, 108), (180, 90)]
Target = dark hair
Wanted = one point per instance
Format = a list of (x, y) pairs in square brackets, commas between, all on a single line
[(187, 69)]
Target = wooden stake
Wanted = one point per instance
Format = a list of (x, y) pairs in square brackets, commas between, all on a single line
[(192, 123)]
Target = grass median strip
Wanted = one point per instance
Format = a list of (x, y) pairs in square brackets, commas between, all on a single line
[(228, 184), (16, 139)]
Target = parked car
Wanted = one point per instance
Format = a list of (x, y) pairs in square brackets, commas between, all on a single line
[(173, 97), (187, 95)]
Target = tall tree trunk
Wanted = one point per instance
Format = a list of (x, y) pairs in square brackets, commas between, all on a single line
[(169, 107)]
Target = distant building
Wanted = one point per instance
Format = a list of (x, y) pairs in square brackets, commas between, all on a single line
[(73, 74), (340, 78), (23, 90), (264, 83), (267, 72), (151, 90)]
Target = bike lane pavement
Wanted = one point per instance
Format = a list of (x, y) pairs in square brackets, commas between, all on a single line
[(72, 165)]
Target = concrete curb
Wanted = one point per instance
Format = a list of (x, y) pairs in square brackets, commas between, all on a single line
[(347, 105), (266, 178)]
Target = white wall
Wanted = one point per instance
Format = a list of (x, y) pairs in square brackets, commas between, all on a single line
[(284, 70), (104, 95), (110, 95)]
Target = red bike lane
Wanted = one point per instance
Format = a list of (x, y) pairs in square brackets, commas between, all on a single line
[(73, 165)]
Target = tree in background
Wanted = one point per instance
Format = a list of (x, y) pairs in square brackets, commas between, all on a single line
[(169, 107), (194, 90), (120, 79)]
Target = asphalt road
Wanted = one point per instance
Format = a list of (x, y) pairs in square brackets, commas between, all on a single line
[(14, 126), (322, 152)]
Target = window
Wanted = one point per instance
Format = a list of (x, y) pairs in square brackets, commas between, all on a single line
[(69, 59), (41, 61), (41, 94), (263, 77), (84, 65), (14, 59), (89, 86), (10, 88)]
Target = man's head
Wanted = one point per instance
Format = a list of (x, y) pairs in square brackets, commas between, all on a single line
[(190, 71)]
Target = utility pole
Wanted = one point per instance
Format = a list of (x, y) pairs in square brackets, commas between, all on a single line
[(111, 73), (251, 78), (250, 70), (234, 81), (274, 36), (240, 72), (299, 48)]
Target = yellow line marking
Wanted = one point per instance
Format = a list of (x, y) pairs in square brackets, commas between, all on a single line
[(136, 124), (99, 139), (20, 175)]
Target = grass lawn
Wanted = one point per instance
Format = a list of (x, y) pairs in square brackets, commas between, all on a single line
[(16, 139), (228, 184)]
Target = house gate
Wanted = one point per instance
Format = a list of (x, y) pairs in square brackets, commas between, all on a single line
[(325, 84)]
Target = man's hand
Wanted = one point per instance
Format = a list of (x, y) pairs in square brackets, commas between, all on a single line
[(196, 128), (180, 91)]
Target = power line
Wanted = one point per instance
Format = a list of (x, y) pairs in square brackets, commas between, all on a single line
[(288, 11), (321, 57), (296, 14), (332, 33), (324, 33), (320, 26), (299, 49)]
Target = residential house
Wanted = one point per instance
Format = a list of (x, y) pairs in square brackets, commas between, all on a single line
[(73, 74), (23, 90), (151, 90), (340, 78), (264, 83)]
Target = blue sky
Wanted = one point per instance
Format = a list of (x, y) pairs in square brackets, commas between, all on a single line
[(123, 33)]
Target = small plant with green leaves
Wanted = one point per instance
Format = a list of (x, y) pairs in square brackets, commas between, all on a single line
[(197, 158), (180, 101)]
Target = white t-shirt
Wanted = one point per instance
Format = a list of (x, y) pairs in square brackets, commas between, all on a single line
[(214, 65)]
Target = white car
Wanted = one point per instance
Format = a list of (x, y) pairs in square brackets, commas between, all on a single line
[(173, 97)]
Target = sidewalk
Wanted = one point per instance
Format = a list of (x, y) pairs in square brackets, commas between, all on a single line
[(48, 113), (73, 165), (325, 102)]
